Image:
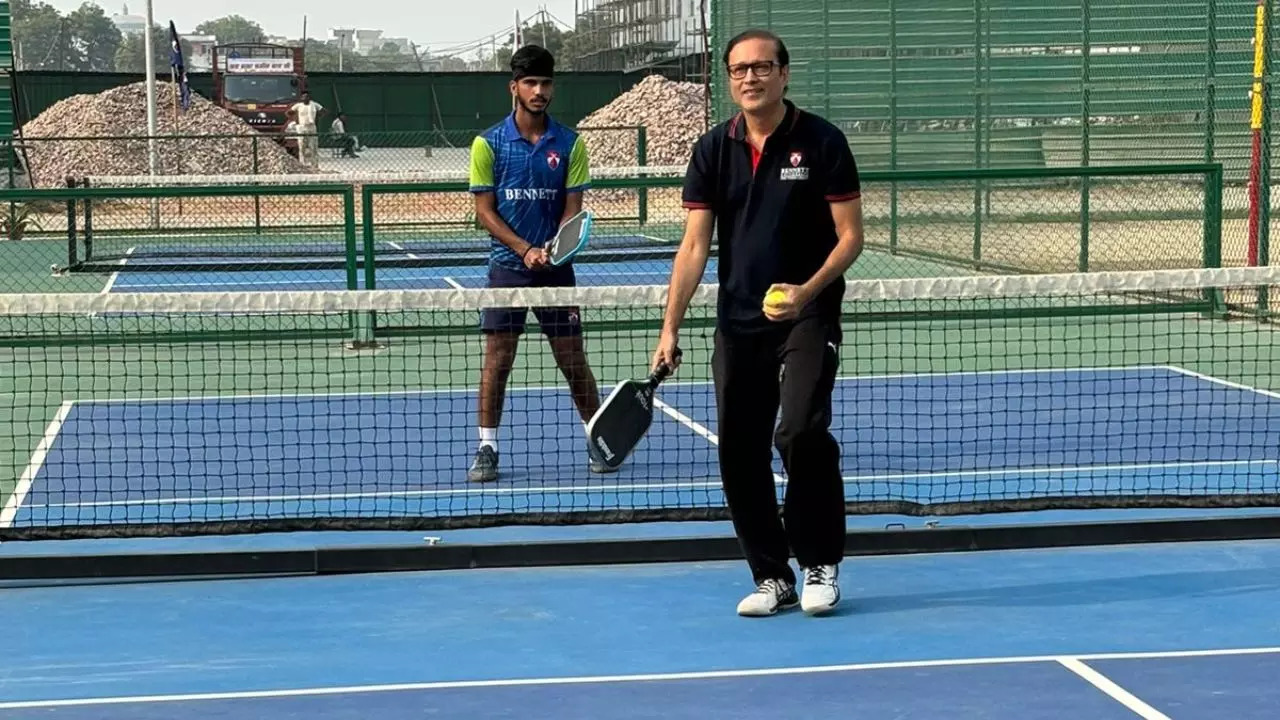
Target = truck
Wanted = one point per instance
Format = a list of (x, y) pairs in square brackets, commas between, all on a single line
[(259, 82)]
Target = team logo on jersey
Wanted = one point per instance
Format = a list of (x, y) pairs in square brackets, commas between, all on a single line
[(796, 171), (553, 159)]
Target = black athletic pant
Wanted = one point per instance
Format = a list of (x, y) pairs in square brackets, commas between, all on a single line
[(793, 368)]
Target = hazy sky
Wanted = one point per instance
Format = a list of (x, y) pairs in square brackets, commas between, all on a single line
[(434, 24)]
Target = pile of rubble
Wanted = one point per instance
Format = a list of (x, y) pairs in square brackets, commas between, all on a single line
[(672, 113), (100, 121)]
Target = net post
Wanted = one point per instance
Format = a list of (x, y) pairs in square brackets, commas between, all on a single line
[(71, 225), (358, 251), (366, 227), (1256, 118), (1213, 235), (642, 153)]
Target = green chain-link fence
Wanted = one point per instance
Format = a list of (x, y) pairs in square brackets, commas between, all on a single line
[(1020, 83)]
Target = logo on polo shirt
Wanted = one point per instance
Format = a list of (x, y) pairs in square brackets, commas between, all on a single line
[(796, 171), (530, 193), (553, 159)]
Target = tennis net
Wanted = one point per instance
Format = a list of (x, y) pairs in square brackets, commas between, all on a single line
[(205, 413)]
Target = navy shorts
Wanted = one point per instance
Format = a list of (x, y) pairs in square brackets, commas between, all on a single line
[(555, 321)]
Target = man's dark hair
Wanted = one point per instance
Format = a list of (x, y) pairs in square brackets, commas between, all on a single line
[(532, 60), (784, 57)]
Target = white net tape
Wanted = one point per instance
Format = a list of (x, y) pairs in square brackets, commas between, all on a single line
[(978, 287)]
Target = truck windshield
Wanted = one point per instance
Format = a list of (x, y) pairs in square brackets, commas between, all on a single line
[(259, 88)]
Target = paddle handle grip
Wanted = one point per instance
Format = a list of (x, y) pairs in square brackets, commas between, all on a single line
[(663, 371)]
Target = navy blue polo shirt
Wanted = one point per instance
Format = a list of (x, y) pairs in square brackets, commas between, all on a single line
[(772, 210)]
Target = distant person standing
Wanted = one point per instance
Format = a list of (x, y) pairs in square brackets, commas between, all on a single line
[(308, 113), (291, 134)]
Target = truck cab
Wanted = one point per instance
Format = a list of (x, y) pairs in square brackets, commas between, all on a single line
[(259, 82)]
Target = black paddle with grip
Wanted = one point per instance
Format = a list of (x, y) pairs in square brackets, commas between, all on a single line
[(624, 417)]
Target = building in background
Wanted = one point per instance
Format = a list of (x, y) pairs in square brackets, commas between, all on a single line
[(365, 41), (129, 24), (631, 35)]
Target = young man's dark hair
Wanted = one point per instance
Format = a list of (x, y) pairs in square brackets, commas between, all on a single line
[(532, 60)]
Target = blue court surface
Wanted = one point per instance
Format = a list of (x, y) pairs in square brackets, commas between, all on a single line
[(1017, 434), (1185, 631), (1152, 631)]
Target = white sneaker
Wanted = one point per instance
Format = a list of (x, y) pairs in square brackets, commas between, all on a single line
[(821, 589), (769, 597)]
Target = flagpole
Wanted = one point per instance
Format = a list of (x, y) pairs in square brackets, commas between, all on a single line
[(181, 93), (177, 151), (151, 109)]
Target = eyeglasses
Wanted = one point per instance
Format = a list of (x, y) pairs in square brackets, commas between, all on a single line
[(760, 69)]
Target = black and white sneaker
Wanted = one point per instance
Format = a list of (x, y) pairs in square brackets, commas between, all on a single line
[(485, 467), (821, 589), (769, 597)]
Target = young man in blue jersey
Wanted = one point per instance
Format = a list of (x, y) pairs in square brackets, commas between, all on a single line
[(528, 174)]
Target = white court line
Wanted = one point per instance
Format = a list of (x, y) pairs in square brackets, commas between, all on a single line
[(628, 488), (1220, 381), (453, 283), (545, 388), (10, 511), (398, 246), (651, 677), (1114, 691), (111, 281), (698, 428)]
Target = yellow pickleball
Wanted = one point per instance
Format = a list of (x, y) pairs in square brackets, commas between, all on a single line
[(775, 298)]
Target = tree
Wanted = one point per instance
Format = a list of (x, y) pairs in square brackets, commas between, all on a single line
[(388, 58), (131, 55), (232, 29), (589, 37), (545, 33), (323, 57), (97, 38), (43, 38), (448, 63)]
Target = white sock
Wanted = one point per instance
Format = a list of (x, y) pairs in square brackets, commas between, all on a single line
[(489, 436)]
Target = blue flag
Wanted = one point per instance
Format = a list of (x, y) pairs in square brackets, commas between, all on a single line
[(179, 68)]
